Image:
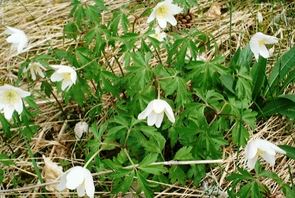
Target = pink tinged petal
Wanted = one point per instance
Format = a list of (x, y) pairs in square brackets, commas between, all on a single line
[(19, 106), (8, 111), (55, 77), (75, 177), (81, 190), (152, 119), (162, 22), (269, 158), (251, 162), (159, 120), (89, 184), (145, 112), (171, 19), (263, 51), (251, 150), (62, 184)]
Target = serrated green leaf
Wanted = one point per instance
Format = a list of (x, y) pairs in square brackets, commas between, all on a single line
[(184, 153), (144, 185)]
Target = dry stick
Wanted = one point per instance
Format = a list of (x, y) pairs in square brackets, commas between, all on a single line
[(168, 163), (59, 137)]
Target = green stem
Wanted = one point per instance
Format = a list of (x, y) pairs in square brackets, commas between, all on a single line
[(92, 157)]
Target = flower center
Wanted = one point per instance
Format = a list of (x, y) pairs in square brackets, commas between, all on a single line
[(67, 76), (261, 43), (162, 11), (10, 97), (259, 152)]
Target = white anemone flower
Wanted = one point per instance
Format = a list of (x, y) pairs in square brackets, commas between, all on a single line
[(77, 178), (35, 69), (11, 100), (17, 38), (154, 112), (258, 42), (66, 74), (159, 35), (164, 12), (262, 148), (80, 128)]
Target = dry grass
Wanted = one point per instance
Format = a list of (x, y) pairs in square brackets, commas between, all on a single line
[(43, 21)]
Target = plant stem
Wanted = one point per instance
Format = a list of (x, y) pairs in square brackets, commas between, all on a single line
[(59, 104), (92, 157), (120, 66), (167, 163), (109, 65)]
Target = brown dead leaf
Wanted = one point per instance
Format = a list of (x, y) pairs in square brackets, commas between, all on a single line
[(51, 171), (214, 11)]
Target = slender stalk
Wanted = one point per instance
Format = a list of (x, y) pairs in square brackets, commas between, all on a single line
[(120, 66), (109, 65), (158, 55), (59, 104), (167, 163), (92, 157)]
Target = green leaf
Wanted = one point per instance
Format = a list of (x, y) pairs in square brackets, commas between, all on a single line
[(284, 105), (5, 125), (240, 134), (154, 169), (5, 160), (281, 68), (258, 76), (148, 159), (228, 81), (124, 184), (290, 151), (144, 185), (176, 174), (184, 153)]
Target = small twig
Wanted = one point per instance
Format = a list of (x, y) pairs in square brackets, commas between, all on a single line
[(120, 66), (168, 163), (109, 65), (59, 104), (92, 157), (59, 137)]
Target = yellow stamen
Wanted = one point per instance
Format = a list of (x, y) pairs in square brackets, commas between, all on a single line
[(10, 96), (261, 42), (67, 76), (162, 11)]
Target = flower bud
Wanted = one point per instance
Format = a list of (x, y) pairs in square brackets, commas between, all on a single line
[(80, 128)]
